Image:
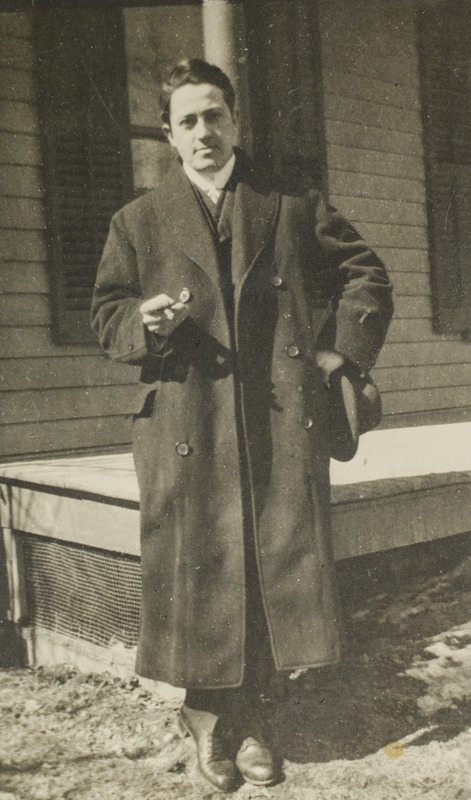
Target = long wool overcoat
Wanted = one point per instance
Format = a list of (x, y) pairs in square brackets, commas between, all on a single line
[(209, 401)]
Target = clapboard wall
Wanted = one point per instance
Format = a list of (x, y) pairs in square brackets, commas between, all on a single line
[(375, 161), (58, 398), (53, 397)]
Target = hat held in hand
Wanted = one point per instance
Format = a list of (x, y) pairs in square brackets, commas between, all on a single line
[(354, 408)]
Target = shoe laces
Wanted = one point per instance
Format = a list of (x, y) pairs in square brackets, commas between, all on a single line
[(217, 747)]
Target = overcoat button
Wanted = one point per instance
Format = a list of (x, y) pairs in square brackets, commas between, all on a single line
[(183, 449), (185, 296), (277, 281), (307, 423), (293, 350), (300, 388)]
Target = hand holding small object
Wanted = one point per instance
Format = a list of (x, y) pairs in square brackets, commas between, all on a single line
[(162, 314), (328, 361)]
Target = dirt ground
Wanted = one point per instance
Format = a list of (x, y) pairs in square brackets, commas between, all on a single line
[(392, 723)]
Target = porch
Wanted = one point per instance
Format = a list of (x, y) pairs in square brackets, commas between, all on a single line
[(70, 529)]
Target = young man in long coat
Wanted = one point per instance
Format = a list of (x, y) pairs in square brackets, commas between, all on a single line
[(241, 303)]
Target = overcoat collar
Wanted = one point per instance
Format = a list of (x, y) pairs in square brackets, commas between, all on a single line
[(255, 211)]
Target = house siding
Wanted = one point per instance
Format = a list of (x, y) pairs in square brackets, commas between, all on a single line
[(55, 398), (62, 398), (375, 167)]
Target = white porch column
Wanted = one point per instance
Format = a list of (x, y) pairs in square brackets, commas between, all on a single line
[(225, 45)]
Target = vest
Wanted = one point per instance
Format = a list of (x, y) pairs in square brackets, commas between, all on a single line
[(219, 218)]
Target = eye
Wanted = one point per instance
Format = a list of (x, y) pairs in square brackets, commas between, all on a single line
[(188, 122), (213, 115)]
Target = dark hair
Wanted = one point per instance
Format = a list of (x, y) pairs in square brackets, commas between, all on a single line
[(196, 71)]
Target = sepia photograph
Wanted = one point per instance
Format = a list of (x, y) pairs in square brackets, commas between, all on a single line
[(235, 412)]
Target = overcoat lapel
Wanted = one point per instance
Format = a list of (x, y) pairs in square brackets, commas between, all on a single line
[(255, 214), (177, 205)]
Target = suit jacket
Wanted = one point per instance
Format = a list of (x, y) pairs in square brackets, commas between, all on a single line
[(303, 279)]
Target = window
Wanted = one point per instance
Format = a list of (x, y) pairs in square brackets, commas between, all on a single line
[(445, 58), (100, 71), (86, 152), (157, 37)]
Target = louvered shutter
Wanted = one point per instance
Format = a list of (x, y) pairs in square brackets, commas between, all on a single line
[(84, 116), (445, 56)]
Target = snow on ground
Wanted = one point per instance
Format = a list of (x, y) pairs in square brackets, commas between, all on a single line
[(392, 723)]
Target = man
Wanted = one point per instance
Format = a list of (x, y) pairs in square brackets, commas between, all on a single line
[(242, 304)]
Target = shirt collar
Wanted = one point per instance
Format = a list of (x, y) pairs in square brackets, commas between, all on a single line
[(214, 186)]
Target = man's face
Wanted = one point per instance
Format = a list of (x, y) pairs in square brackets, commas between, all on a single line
[(202, 128)]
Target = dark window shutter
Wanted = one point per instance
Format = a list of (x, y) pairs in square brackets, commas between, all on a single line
[(285, 79), (445, 59), (84, 120)]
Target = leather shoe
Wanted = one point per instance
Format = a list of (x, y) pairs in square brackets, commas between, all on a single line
[(212, 747), (255, 762)]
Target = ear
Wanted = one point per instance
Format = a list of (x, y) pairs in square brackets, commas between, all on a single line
[(168, 133), (235, 116)]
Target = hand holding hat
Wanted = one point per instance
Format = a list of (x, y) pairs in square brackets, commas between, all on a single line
[(354, 403)]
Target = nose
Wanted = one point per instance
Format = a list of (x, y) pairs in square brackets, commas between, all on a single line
[(202, 129)]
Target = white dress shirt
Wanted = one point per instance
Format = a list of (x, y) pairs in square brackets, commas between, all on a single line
[(213, 185)]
